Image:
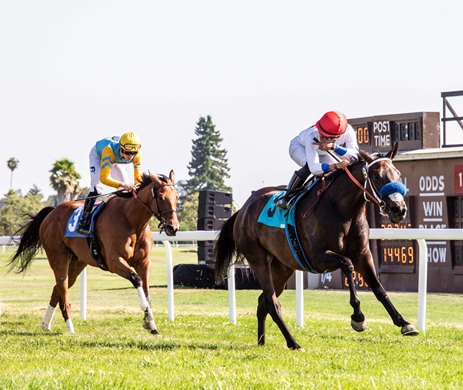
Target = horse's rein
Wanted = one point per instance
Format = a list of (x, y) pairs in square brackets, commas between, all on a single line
[(373, 198), (364, 190)]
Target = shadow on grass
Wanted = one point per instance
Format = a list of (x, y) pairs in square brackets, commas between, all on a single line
[(120, 345), (148, 346), (10, 332)]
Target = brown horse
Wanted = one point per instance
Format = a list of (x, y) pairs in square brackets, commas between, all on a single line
[(334, 234), (123, 235)]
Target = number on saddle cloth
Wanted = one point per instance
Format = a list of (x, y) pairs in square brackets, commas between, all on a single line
[(74, 219)]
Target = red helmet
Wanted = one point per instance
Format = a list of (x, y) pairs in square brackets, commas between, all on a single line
[(332, 124)]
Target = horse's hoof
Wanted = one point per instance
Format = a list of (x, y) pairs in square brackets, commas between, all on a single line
[(358, 326), (46, 328), (150, 327), (296, 347), (409, 330)]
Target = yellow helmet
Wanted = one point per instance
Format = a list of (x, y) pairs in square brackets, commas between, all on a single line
[(130, 142)]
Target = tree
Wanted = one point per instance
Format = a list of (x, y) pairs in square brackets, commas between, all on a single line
[(12, 164), (188, 212), (64, 180), (208, 168), (14, 211), (35, 190)]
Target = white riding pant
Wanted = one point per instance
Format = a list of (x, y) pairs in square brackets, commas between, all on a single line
[(118, 172), (297, 152)]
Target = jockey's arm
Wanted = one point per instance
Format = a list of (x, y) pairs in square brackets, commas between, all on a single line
[(107, 155), (348, 152), (137, 170)]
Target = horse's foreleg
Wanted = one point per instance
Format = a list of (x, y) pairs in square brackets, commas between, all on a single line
[(370, 277), (331, 260), (148, 319), (357, 319)]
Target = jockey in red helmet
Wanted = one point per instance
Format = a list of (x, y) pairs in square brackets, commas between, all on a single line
[(310, 149)]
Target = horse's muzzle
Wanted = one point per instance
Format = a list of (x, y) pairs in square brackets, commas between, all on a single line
[(170, 230), (397, 213)]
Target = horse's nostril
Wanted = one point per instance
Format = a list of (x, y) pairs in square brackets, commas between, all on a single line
[(170, 230)]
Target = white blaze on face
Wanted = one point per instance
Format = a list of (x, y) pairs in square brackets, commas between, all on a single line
[(398, 198)]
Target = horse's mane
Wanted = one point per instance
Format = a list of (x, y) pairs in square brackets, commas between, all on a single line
[(146, 180)]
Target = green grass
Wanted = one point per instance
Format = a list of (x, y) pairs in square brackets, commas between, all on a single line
[(202, 350)]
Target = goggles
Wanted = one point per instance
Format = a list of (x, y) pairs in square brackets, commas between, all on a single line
[(129, 153), (131, 147)]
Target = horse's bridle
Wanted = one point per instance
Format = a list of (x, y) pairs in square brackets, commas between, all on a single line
[(375, 197), (160, 214)]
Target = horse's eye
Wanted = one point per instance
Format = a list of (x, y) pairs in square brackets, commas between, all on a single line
[(376, 176)]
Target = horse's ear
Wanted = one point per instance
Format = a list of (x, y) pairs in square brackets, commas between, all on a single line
[(172, 176), (365, 156), (391, 154)]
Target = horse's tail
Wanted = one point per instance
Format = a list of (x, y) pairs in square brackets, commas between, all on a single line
[(30, 241), (225, 249)]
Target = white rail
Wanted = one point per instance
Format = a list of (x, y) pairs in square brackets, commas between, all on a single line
[(421, 235)]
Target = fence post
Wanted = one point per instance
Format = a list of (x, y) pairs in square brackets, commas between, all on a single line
[(83, 294), (231, 295), (170, 281), (300, 299), (422, 283)]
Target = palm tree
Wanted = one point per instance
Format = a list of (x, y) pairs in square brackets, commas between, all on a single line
[(64, 180), (12, 164)]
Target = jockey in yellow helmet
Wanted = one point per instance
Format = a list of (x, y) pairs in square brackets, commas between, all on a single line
[(106, 169)]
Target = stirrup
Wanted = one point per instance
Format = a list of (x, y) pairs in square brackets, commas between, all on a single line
[(282, 204), (84, 228)]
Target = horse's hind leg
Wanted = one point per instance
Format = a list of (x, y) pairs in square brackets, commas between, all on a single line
[(48, 317), (268, 301), (60, 266), (279, 282)]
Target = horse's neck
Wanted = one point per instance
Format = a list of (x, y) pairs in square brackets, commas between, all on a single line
[(345, 194), (138, 208)]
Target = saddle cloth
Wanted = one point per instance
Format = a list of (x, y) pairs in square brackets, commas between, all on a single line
[(272, 216), (74, 219), (73, 223)]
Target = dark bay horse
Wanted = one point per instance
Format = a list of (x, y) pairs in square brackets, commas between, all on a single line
[(334, 233), (123, 234)]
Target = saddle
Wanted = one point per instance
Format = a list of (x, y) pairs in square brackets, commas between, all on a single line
[(272, 216), (73, 222), (293, 194)]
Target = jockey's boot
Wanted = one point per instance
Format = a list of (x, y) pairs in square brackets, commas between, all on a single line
[(295, 182), (84, 223)]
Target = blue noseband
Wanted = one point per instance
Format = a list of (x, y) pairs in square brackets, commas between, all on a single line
[(391, 188)]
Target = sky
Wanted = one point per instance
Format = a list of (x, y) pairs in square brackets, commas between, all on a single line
[(73, 72)]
